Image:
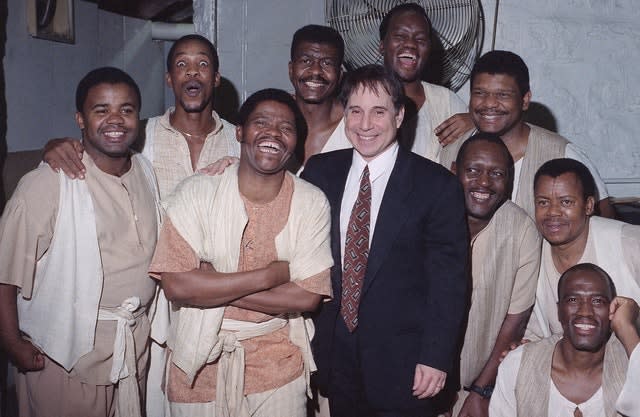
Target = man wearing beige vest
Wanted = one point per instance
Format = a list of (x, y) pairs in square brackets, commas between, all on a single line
[(582, 372), (505, 261), (500, 95), (565, 200), (74, 289), (240, 346)]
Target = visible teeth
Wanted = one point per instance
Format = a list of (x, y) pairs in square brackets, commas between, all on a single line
[(314, 84), (480, 196), (270, 147), (584, 326), (411, 57), (114, 134)]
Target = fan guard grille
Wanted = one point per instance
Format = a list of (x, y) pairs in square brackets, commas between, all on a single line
[(458, 26)]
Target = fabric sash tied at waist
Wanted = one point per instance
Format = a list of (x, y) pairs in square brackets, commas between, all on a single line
[(123, 369), (230, 401)]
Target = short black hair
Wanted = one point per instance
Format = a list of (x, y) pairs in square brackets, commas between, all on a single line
[(104, 75), (490, 138), (194, 37), (372, 77), (588, 267), (405, 7), (503, 62), (556, 167), (274, 94), (318, 34)]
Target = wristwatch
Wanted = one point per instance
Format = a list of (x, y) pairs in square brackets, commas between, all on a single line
[(484, 392)]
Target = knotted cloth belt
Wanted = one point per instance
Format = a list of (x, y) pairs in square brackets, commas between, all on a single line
[(230, 401), (123, 369)]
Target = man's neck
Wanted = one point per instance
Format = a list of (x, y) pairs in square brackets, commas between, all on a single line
[(566, 255), (259, 188), (322, 119), (476, 225), (194, 125), (415, 91), (516, 140), (116, 166), (576, 374)]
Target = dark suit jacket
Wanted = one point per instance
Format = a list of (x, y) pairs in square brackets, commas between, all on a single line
[(414, 293)]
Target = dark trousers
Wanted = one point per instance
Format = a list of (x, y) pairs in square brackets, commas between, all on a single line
[(346, 392)]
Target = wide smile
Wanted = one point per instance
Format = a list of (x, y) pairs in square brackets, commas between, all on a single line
[(270, 146), (408, 60), (584, 327), (115, 136), (315, 83), (481, 196)]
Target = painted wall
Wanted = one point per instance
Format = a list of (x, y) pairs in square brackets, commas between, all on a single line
[(41, 75), (583, 58)]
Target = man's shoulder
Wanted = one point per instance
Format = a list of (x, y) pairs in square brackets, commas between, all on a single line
[(39, 183), (539, 132), (430, 88), (423, 166), (510, 210)]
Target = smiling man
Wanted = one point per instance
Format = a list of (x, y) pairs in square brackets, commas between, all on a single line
[(505, 260), (434, 114), (580, 372), (565, 200), (385, 343), (74, 286), (500, 95), (315, 71), (240, 344)]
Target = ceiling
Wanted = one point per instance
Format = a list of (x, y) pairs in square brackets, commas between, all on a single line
[(170, 11)]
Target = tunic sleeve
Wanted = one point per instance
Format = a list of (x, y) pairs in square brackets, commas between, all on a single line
[(524, 288), (631, 249), (173, 253), (629, 400), (318, 284), (503, 399), (26, 227)]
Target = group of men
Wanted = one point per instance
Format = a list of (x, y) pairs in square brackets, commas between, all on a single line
[(417, 280)]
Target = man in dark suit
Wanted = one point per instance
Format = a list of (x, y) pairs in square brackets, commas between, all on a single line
[(387, 340)]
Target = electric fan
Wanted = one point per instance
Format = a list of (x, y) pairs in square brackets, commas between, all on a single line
[(458, 32)]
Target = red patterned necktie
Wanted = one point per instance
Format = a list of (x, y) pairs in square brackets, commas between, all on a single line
[(356, 252)]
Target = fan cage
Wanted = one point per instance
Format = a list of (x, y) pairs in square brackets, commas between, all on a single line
[(458, 34)]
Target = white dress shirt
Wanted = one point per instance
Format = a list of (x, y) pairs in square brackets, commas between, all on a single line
[(379, 172)]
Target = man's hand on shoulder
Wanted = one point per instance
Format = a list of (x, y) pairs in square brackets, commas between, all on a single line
[(65, 154), (427, 381), (219, 166), (25, 356), (453, 128), (474, 406)]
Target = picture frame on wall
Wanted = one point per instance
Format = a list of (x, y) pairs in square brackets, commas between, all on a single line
[(51, 20)]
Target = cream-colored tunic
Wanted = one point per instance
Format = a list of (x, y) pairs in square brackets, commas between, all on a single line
[(544, 320), (170, 152), (126, 227), (505, 263)]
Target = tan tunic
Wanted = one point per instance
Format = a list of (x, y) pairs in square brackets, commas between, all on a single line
[(171, 158), (544, 320), (126, 228), (505, 264), (271, 360)]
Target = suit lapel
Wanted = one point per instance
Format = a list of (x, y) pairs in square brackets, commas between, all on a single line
[(335, 190), (393, 212)]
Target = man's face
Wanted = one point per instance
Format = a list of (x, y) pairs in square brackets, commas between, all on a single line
[(496, 104), (109, 119), (371, 121), (583, 310), (315, 71), (483, 173), (562, 212), (406, 46), (192, 77), (268, 137)]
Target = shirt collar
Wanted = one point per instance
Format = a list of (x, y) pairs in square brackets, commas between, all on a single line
[(377, 166), (166, 122)]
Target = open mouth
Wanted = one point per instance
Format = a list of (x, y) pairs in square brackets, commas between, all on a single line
[(270, 146), (408, 59), (115, 135), (315, 83), (193, 88), (480, 196)]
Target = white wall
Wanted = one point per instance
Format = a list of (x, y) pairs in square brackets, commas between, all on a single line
[(583, 58), (41, 75)]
